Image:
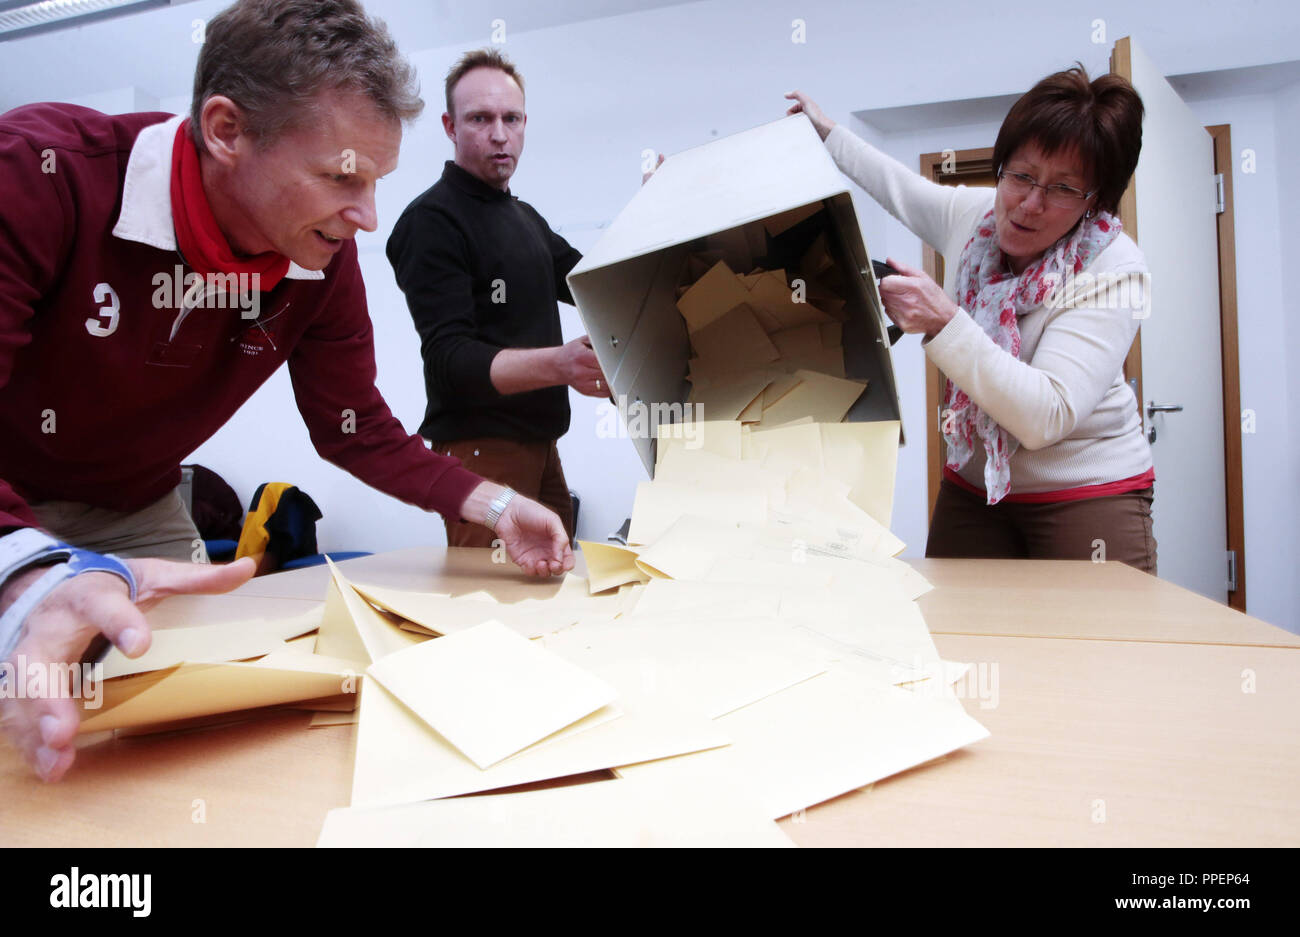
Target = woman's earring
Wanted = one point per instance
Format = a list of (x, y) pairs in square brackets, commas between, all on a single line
[(1089, 213)]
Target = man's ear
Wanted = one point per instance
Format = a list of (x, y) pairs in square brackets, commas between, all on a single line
[(222, 124), (449, 127)]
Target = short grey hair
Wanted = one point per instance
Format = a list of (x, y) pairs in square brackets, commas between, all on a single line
[(274, 58)]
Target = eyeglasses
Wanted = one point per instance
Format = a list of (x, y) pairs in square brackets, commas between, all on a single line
[(1058, 194)]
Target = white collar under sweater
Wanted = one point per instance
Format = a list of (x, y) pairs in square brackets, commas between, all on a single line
[(147, 194)]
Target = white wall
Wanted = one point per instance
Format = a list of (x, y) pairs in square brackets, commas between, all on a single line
[(602, 90), (1281, 481)]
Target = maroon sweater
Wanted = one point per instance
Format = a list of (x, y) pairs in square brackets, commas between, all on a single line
[(103, 392)]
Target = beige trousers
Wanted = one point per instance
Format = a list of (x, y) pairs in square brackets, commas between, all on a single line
[(162, 529)]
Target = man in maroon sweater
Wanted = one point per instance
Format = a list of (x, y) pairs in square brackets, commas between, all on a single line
[(154, 272)]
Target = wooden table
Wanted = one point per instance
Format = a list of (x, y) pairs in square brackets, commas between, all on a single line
[(1128, 712)]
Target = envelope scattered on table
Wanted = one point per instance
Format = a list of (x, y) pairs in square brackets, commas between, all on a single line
[(351, 629), (818, 739), (189, 690), (236, 640), (400, 759), (716, 664), (692, 546), (614, 813), (610, 566), (490, 692)]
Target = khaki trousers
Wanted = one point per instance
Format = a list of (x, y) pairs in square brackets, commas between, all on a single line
[(163, 529), (531, 468)]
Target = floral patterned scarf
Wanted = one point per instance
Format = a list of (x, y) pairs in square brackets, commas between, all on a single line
[(994, 297)]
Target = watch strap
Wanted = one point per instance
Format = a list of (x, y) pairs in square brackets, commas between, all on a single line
[(497, 507), (18, 553)]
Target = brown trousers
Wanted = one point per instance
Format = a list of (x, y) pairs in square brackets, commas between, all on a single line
[(1116, 527), (530, 468)]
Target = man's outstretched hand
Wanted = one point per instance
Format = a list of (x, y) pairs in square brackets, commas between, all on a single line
[(534, 538), (532, 534), (59, 630)]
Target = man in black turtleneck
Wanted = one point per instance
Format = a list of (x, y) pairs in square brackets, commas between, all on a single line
[(482, 272)]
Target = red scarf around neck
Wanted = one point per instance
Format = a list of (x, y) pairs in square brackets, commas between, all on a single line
[(200, 240)]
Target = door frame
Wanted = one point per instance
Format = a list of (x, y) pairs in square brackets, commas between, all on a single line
[(963, 165), (1121, 63), (979, 162)]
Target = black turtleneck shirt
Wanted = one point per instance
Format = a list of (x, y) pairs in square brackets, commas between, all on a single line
[(481, 271)]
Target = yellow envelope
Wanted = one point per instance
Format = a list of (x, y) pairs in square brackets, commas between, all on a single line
[(724, 401), (711, 297), (616, 813), (431, 614), (720, 437), (190, 690), (351, 629), (737, 338), (774, 302), (776, 224), (715, 664), (818, 739), (236, 640), (865, 456), (784, 449), (400, 759), (491, 692), (610, 565), (824, 398), (692, 546), (659, 505)]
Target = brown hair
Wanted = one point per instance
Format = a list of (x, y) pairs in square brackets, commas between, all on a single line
[(479, 58), (1102, 119), (274, 57)]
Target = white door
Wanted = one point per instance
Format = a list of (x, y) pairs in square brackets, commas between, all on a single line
[(1181, 361)]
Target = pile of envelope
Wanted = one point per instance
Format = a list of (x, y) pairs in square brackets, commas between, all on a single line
[(766, 346), (755, 650)]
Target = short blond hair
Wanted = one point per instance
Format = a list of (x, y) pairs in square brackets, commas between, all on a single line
[(479, 58)]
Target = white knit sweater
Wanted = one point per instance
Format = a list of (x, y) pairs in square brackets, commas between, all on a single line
[(1065, 398)]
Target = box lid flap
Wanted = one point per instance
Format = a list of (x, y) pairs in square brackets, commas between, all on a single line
[(719, 185)]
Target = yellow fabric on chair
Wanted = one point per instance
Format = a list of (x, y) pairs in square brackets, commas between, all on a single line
[(254, 537)]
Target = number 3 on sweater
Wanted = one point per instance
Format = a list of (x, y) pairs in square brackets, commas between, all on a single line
[(104, 329)]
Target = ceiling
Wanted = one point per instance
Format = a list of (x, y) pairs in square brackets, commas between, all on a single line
[(73, 62)]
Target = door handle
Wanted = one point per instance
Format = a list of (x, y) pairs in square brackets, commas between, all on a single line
[(1153, 408)]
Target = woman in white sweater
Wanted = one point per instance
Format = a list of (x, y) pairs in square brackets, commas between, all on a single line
[(1042, 298)]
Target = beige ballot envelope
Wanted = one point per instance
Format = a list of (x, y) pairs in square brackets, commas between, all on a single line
[(772, 205)]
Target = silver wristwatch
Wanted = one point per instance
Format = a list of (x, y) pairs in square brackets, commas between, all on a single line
[(497, 507)]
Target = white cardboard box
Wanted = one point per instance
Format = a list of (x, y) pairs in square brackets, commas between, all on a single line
[(625, 286)]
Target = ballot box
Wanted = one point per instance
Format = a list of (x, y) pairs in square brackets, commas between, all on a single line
[(736, 286)]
